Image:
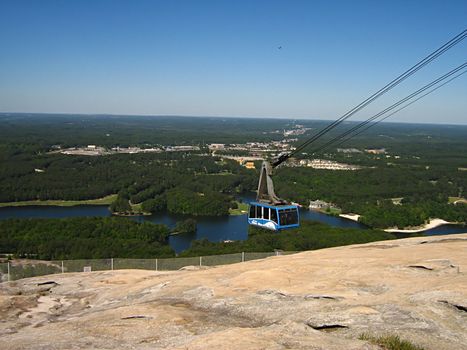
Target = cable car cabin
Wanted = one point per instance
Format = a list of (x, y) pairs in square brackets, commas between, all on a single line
[(273, 217)]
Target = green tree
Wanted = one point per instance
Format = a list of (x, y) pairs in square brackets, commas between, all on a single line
[(185, 226), (120, 205), (155, 204)]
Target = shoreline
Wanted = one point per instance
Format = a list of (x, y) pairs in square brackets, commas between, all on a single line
[(130, 214), (353, 217), (107, 200), (433, 223), (242, 209)]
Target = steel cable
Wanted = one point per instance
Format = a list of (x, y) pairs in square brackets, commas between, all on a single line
[(448, 45)]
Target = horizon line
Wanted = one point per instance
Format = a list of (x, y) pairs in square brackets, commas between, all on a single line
[(221, 116)]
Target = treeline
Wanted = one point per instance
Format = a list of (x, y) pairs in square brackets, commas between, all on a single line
[(43, 131), (387, 214), (177, 182), (141, 175), (96, 238), (179, 200), (385, 196), (442, 146), (83, 238), (310, 235), (347, 188)]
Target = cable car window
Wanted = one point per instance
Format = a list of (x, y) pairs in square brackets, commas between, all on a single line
[(258, 212), (266, 213), (288, 217), (252, 211), (274, 215)]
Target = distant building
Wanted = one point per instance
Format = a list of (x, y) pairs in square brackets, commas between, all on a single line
[(216, 146), (376, 150), (132, 150), (348, 150), (318, 204), (329, 165), (90, 150), (181, 148), (250, 165), (242, 159)]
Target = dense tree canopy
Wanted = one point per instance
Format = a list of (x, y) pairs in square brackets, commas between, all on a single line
[(121, 205), (184, 201), (84, 238), (420, 193), (424, 166), (185, 226), (150, 179), (310, 235)]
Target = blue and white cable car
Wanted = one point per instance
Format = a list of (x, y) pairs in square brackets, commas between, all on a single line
[(269, 211), (273, 217)]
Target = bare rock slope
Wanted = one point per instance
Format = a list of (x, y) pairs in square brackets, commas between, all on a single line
[(415, 288)]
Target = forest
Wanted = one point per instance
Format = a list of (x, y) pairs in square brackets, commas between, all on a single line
[(422, 169), (309, 236), (180, 183), (386, 196), (83, 238), (98, 238)]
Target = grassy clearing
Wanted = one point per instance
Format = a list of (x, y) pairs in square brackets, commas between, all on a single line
[(137, 209), (241, 210), (99, 201), (330, 211), (390, 342), (333, 211)]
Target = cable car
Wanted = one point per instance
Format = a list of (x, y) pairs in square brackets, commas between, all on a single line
[(269, 211), (273, 217)]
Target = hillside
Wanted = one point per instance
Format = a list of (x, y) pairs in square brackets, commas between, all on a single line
[(324, 299)]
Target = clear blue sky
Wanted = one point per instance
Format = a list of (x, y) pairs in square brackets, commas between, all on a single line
[(221, 58)]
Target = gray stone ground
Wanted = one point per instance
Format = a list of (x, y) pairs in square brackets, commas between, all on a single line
[(415, 288)]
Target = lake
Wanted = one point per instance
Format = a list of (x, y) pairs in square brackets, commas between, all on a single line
[(215, 229)]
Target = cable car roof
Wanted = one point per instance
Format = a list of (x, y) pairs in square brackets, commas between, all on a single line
[(286, 206)]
